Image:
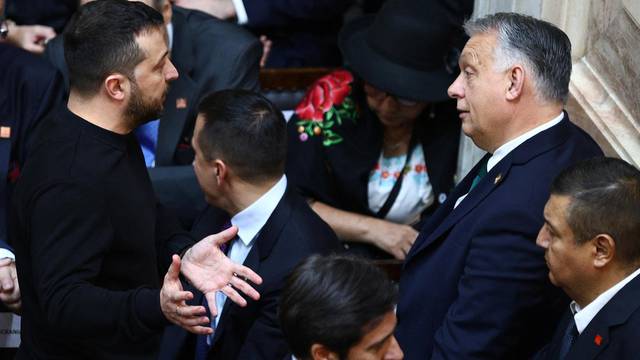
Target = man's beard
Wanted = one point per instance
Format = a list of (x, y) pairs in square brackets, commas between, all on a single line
[(140, 111)]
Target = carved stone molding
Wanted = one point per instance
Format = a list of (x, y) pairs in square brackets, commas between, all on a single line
[(595, 107)]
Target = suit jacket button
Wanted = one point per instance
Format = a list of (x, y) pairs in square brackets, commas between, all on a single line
[(442, 197)]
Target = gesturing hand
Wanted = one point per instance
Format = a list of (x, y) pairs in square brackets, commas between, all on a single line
[(209, 270), (173, 303), (9, 289)]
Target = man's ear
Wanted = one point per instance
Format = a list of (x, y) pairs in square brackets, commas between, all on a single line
[(605, 250), (221, 171), (321, 352), (515, 82), (117, 86)]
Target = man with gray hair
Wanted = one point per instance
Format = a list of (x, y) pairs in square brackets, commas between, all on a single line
[(474, 284)]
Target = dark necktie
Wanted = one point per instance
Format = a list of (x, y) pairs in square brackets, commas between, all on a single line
[(482, 171), (568, 339), (202, 348)]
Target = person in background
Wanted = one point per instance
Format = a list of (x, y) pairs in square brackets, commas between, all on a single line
[(591, 238), (474, 284), (297, 33), (337, 307), (374, 148), (31, 36), (30, 89)]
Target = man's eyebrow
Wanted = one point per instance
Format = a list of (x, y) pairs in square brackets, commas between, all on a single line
[(165, 54), (469, 57), (379, 343), (549, 224)]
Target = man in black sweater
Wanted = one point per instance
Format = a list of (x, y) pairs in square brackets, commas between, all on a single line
[(90, 241)]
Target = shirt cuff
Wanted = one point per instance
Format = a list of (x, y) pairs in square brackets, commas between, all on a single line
[(4, 253), (241, 12)]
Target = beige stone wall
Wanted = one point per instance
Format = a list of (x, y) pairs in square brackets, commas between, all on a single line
[(605, 83)]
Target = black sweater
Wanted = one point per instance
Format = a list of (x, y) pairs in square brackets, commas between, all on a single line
[(91, 245)]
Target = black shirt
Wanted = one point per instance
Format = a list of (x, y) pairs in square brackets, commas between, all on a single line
[(91, 245)]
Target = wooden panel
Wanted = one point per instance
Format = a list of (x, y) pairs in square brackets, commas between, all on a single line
[(290, 79)]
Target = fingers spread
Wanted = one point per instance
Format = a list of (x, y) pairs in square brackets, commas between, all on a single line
[(223, 236), (234, 296), (245, 288), (180, 296), (211, 302), (199, 330), (174, 269), (247, 274)]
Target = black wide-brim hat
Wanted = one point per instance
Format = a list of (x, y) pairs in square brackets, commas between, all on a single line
[(407, 50)]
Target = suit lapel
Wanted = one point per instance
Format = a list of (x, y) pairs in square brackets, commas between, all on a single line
[(181, 97), (528, 150), (596, 336), (261, 249)]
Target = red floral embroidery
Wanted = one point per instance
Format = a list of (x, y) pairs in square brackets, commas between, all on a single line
[(325, 104), (385, 174)]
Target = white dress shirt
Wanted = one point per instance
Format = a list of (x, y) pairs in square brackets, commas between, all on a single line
[(584, 316), (511, 145), (249, 222), (241, 12)]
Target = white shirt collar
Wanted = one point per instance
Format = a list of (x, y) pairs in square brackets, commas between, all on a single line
[(170, 35), (506, 148), (250, 220), (584, 316)]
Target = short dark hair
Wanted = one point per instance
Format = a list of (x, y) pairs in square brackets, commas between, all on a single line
[(605, 199), (333, 300), (540, 44), (245, 130), (101, 40)]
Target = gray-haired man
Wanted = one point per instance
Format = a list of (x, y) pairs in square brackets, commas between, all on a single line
[(474, 284)]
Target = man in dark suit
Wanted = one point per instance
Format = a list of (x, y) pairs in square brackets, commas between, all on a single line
[(474, 283), (240, 144), (209, 54), (30, 88), (591, 238), (90, 239), (300, 33)]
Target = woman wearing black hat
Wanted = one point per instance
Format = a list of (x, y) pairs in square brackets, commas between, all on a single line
[(375, 150)]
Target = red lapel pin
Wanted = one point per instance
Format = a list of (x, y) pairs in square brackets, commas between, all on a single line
[(181, 103), (5, 132), (597, 340)]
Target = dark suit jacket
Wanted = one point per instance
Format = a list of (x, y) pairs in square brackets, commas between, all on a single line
[(30, 89), (612, 334), (303, 32), (474, 284), (292, 233), (210, 55), (42, 12)]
